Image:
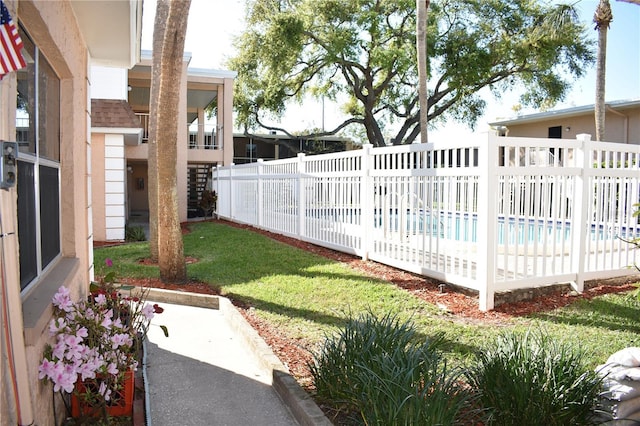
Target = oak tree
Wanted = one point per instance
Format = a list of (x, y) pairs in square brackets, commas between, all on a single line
[(365, 50)]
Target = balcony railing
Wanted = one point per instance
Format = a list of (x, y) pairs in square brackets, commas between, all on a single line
[(144, 122), (210, 140)]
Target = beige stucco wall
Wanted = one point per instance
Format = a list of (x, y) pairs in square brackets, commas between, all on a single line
[(53, 28), (621, 127), (226, 113), (138, 187), (97, 186)]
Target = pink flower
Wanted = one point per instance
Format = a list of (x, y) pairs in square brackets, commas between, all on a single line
[(101, 299), (108, 262), (106, 322), (87, 369), (104, 391), (118, 340), (112, 369), (82, 332), (74, 347), (147, 311), (118, 324), (63, 379), (62, 299), (56, 325), (46, 369), (59, 348)]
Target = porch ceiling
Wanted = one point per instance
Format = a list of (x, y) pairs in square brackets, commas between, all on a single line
[(199, 95), (112, 30)]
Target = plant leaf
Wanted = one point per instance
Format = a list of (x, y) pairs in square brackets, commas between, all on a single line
[(165, 330)]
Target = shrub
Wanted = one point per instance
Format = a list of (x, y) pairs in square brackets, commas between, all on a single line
[(531, 379), (134, 233), (378, 368), (208, 202)]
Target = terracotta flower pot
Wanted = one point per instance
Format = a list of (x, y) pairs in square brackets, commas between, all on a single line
[(120, 403)]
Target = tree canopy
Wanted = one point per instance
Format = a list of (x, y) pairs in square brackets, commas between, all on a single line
[(366, 50)]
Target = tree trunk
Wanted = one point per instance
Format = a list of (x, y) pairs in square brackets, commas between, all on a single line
[(422, 7), (602, 18), (164, 106), (162, 12)]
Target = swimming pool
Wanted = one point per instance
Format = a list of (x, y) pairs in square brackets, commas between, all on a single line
[(463, 227)]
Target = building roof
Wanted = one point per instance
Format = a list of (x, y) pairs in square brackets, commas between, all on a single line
[(115, 116), (564, 113), (113, 113)]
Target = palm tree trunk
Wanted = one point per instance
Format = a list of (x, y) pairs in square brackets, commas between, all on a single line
[(162, 12), (422, 7), (164, 106), (602, 18)]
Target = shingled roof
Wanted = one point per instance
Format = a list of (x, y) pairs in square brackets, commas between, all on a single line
[(113, 113)]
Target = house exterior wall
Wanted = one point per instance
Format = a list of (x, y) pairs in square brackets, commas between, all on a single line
[(108, 187), (114, 187), (53, 28), (227, 120), (138, 187), (622, 126), (108, 82), (97, 186)]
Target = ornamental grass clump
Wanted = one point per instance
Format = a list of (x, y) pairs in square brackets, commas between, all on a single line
[(381, 372), (532, 379), (96, 342)]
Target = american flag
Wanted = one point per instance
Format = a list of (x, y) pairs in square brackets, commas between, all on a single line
[(10, 44)]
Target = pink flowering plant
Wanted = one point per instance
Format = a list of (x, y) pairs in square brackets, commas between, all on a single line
[(96, 341)]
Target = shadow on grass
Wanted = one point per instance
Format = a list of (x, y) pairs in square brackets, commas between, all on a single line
[(618, 313), (331, 322)]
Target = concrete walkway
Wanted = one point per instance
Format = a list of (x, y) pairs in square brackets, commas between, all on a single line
[(214, 369)]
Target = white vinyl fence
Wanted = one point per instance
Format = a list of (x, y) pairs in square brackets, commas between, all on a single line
[(505, 214)]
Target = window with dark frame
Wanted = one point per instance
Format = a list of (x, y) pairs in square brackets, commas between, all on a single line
[(555, 156), (38, 183)]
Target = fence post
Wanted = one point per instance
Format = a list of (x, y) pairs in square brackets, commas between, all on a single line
[(367, 216), (215, 187), (487, 219), (302, 208), (231, 203), (583, 156), (260, 198)]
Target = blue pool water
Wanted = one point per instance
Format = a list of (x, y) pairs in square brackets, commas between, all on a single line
[(464, 227)]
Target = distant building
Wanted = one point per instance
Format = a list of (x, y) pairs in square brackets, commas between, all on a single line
[(622, 123), (248, 149), (120, 131)]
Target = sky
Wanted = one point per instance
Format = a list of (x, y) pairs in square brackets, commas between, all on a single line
[(214, 23)]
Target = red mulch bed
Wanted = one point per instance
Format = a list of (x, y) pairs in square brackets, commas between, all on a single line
[(460, 306)]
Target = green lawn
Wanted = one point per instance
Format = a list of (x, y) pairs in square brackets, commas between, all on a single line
[(306, 296)]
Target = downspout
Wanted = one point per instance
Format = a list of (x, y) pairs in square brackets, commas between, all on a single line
[(12, 331), (626, 123)]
